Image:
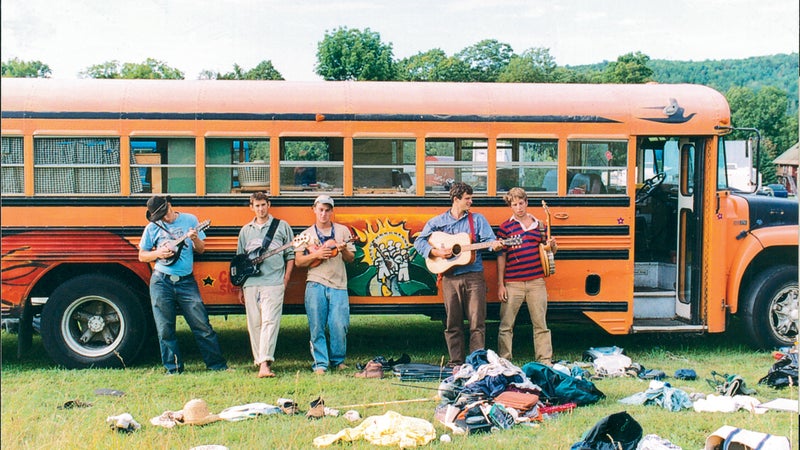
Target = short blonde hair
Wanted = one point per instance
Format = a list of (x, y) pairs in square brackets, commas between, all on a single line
[(515, 193)]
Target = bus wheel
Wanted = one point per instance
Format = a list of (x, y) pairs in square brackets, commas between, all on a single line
[(93, 321), (771, 308)]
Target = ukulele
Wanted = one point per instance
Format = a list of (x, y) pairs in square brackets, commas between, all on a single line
[(463, 251), (546, 255), (245, 265), (332, 244), (177, 245)]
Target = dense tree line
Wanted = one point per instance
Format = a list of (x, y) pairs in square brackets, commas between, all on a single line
[(762, 91)]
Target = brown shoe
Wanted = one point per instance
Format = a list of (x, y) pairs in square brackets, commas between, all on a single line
[(317, 410), (372, 370)]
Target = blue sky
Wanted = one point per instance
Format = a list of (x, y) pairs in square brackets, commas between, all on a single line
[(192, 35)]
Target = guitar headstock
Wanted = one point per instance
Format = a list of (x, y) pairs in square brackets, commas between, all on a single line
[(513, 241), (544, 206), (300, 239)]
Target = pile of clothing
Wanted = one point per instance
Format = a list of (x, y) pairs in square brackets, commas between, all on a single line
[(489, 392)]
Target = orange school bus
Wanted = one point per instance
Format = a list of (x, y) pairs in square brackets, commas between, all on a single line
[(651, 237)]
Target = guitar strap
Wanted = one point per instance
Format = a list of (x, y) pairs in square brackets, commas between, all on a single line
[(270, 233), (471, 227)]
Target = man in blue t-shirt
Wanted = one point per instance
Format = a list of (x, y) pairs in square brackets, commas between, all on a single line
[(172, 284)]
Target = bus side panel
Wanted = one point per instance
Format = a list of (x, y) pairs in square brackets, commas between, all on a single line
[(28, 256)]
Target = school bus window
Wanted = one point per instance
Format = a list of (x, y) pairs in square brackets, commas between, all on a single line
[(76, 166), (11, 166), (597, 167), (164, 165), (384, 166), (530, 164), (312, 164), (234, 165), (451, 160)]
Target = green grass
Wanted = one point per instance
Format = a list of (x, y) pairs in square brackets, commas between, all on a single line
[(32, 389)]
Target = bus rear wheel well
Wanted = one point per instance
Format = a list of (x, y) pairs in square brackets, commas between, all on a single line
[(63, 273)]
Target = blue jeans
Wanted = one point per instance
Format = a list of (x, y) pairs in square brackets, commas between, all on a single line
[(166, 296), (326, 306)]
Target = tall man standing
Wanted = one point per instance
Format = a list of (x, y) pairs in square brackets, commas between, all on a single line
[(520, 278), (326, 300), (172, 285), (463, 287), (263, 293)]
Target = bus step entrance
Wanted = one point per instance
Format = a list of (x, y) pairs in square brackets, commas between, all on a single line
[(665, 326)]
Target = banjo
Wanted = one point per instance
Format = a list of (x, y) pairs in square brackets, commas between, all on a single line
[(545, 252)]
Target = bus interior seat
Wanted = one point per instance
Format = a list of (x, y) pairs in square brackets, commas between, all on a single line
[(589, 182), (550, 181), (401, 179)]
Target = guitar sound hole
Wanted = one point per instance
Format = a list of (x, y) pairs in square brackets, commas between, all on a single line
[(456, 250)]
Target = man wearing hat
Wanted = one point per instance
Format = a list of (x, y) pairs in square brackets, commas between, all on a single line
[(326, 300), (172, 284)]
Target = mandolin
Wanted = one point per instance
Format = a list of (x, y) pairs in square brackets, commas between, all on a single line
[(546, 255), (177, 245), (333, 245), (245, 265), (463, 250)]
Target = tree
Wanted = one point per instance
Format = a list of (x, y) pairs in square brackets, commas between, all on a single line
[(534, 65), (433, 65), (149, 69), (765, 110), (106, 70), (351, 54), (486, 59), (630, 68), (16, 68), (263, 71)]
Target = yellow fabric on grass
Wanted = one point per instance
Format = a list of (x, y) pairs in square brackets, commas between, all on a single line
[(391, 429)]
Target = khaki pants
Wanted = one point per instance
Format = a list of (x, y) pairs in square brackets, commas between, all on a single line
[(464, 295), (264, 305), (534, 293)]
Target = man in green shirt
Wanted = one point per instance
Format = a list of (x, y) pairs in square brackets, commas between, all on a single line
[(262, 293)]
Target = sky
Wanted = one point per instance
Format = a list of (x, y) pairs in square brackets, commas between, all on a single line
[(196, 35)]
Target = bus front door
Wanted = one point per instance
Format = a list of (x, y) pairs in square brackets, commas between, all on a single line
[(690, 234)]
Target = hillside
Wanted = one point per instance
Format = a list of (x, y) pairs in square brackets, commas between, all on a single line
[(779, 70)]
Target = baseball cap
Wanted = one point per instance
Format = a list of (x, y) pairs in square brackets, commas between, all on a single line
[(324, 199)]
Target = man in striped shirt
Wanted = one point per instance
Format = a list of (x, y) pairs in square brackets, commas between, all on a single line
[(520, 278)]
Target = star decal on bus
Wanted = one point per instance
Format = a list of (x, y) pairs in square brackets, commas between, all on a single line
[(620, 220), (208, 281)]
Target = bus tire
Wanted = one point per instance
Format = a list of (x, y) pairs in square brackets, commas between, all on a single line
[(93, 321), (771, 307)]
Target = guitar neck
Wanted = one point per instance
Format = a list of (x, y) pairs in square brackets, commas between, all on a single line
[(272, 252)]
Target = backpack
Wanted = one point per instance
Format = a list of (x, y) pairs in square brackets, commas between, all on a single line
[(783, 373), (618, 431), (559, 388), (729, 385)]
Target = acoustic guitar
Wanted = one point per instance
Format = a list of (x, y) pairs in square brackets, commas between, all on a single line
[(177, 245), (332, 244), (245, 265), (546, 255), (463, 251)]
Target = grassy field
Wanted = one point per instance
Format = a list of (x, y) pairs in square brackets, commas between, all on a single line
[(32, 389)]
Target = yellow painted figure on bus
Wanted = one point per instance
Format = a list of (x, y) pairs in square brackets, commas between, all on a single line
[(520, 278)]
